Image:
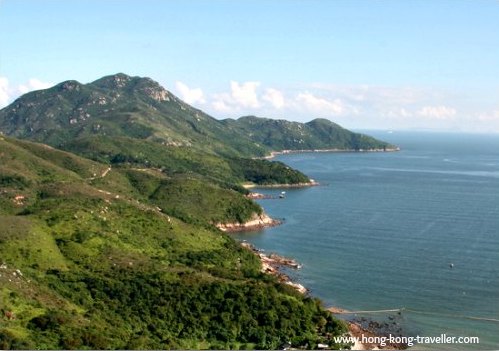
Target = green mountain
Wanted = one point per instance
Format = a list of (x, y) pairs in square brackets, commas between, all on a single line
[(93, 257), (139, 108), (118, 106), (120, 120), (316, 134), (130, 120)]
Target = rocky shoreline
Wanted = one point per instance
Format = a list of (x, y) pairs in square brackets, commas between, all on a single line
[(362, 327), (257, 222), (259, 196), (367, 328), (273, 264)]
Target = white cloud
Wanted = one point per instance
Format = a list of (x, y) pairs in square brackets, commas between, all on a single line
[(33, 84), (274, 97), (396, 113), (489, 117), (245, 94), (357, 106), (221, 106), (242, 96), (437, 112), (223, 103), (321, 105), (373, 94), (4, 92), (189, 95), (9, 92)]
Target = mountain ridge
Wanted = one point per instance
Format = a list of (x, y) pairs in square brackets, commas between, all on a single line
[(122, 105), (317, 134)]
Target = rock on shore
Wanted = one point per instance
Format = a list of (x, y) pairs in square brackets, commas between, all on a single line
[(272, 264), (255, 223)]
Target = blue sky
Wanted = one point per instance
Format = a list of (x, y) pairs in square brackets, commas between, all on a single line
[(364, 64)]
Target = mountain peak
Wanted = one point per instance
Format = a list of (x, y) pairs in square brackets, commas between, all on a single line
[(114, 81), (323, 122), (120, 81), (153, 89), (69, 85)]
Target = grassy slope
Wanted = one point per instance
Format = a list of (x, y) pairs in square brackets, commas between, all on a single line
[(194, 200), (90, 262), (172, 160)]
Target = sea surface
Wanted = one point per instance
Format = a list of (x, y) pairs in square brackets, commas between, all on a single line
[(416, 229)]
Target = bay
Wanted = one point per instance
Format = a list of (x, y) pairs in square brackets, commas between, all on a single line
[(384, 229)]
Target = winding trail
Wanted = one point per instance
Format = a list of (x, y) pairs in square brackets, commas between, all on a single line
[(102, 175)]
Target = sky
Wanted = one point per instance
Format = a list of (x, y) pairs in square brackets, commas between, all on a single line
[(391, 64)]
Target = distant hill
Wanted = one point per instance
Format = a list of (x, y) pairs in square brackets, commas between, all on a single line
[(316, 134), (139, 108)]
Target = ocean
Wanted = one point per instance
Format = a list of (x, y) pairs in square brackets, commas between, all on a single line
[(416, 229)]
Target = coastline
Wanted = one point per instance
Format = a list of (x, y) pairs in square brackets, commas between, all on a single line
[(301, 151), (373, 331), (273, 264), (257, 222), (285, 185)]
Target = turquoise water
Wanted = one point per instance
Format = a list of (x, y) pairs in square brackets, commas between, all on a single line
[(384, 228)]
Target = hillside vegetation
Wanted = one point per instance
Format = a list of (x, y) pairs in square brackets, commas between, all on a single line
[(127, 258), (107, 229), (316, 134)]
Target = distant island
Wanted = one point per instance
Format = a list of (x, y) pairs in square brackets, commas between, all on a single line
[(113, 198)]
